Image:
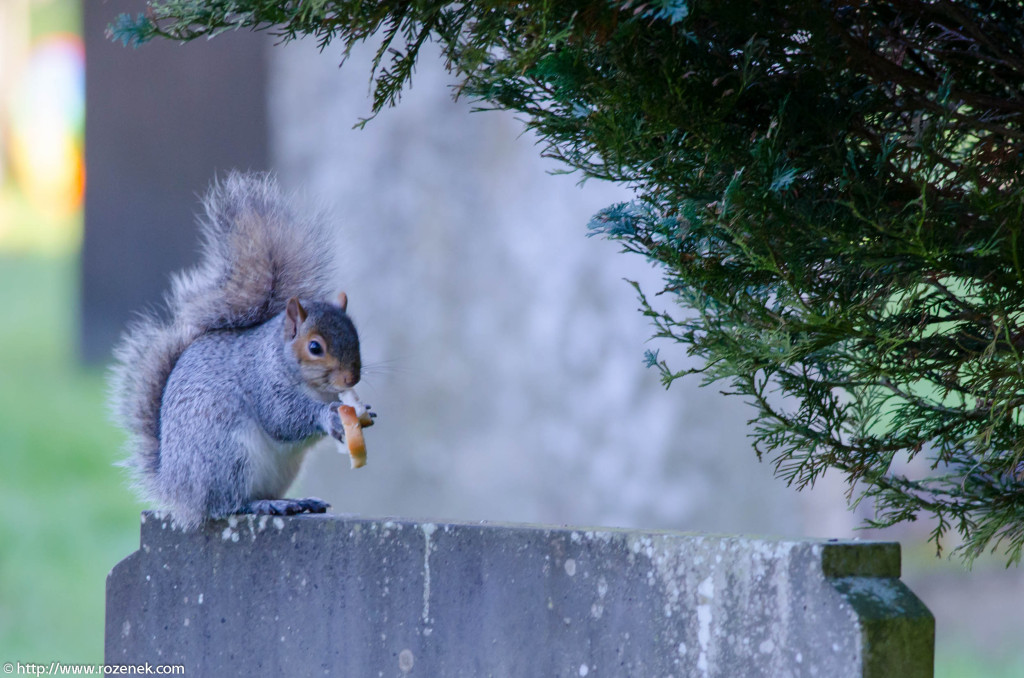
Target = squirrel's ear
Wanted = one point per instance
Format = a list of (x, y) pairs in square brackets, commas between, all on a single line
[(342, 302), (294, 315)]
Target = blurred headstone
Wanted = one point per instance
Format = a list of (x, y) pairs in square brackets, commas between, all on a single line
[(504, 348), (161, 121)]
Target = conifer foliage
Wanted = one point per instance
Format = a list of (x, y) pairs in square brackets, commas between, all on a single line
[(833, 189)]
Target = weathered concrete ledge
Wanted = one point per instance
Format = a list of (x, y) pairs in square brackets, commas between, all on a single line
[(356, 597)]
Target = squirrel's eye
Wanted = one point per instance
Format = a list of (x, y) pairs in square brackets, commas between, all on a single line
[(315, 348)]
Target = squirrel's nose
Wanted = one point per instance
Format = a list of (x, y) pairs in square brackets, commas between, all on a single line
[(351, 378)]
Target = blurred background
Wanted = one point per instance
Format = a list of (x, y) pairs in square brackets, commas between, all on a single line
[(503, 347)]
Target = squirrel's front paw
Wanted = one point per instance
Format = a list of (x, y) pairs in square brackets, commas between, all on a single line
[(335, 427), (367, 416)]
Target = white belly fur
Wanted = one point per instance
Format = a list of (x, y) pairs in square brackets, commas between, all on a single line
[(273, 465)]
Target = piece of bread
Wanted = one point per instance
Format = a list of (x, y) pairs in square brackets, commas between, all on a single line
[(353, 435), (349, 397)]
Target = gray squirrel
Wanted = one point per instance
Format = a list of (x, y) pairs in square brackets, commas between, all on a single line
[(222, 401)]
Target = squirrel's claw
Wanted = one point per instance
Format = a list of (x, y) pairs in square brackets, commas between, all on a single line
[(284, 507), (366, 419)]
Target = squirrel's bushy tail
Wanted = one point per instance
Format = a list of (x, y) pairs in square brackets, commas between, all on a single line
[(256, 253)]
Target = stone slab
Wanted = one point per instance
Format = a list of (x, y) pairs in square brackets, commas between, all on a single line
[(350, 596)]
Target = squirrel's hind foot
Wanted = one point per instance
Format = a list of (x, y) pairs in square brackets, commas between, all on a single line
[(284, 507)]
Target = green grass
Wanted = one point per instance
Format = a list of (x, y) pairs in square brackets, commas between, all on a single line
[(55, 17), (67, 515), (971, 662)]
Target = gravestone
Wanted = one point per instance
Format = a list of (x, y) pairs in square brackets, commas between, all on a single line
[(349, 596), (161, 121)]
